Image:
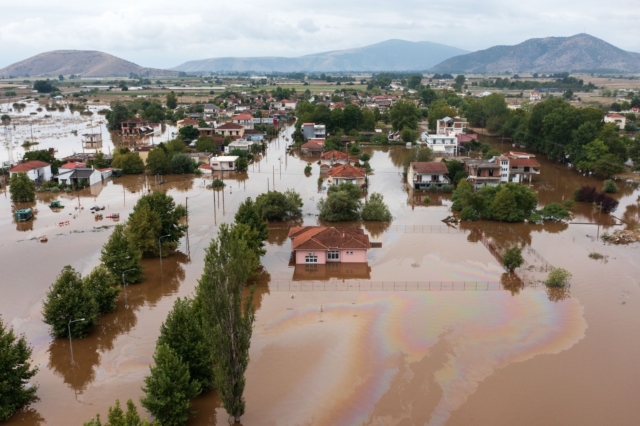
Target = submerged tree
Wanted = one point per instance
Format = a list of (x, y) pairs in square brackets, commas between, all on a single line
[(15, 373), (104, 287), (22, 188), (512, 258), (68, 299), (169, 388), (376, 210), (120, 256), (227, 316), (118, 417)]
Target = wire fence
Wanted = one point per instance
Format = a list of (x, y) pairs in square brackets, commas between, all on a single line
[(359, 285)]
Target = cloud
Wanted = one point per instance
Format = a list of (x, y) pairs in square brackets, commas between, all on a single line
[(158, 33)]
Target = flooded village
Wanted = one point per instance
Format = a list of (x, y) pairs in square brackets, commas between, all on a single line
[(408, 321)]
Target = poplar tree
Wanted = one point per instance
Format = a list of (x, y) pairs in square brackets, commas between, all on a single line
[(15, 373), (120, 255), (104, 287), (227, 316)]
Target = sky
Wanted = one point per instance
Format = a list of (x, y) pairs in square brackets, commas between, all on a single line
[(164, 34)]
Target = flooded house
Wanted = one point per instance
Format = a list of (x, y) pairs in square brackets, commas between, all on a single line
[(346, 173), (312, 148), (448, 125), (245, 120), (37, 171), (332, 158), (314, 131), (446, 143), (81, 176), (254, 135), (483, 172), (224, 162), (241, 144), (319, 245), (92, 140), (518, 167), (136, 126), (230, 129), (422, 175)]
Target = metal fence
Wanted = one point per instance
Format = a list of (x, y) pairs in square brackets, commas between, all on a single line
[(358, 285)]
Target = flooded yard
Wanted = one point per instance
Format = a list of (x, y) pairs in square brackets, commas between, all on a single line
[(431, 331)]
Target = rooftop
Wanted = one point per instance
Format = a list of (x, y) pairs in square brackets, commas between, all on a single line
[(335, 155), (346, 171), (430, 167), (230, 126), (324, 238), (28, 166)]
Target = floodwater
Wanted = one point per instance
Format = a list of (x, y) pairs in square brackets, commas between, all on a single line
[(431, 331)]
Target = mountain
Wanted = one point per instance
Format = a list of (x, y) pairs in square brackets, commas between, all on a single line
[(580, 52), (390, 55), (86, 63)]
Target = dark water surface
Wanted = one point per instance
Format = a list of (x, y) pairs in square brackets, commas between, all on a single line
[(457, 342)]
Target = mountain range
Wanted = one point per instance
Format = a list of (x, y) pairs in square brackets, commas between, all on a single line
[(87, 63), (390, 55), (580, 52)]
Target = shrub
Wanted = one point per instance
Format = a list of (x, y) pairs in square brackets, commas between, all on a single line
[(307, 170), (468, 213), (588, 194), (569, 204), (432, 188), (217, 183), (447, 189), (610, 186), (320, 180), (594, 255), (558, 277), (279, 206), (426, 200), (22, 188), (55, 190), (376, 210), (513, 258), (554, 211)]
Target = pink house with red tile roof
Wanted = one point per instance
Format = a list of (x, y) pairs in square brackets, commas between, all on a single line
[(318, 245)]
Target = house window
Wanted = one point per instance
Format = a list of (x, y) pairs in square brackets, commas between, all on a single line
[(311, 258), (333, 255)]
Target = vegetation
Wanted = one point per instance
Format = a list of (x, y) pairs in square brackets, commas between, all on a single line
[(595, 255), (104, 288), (506, 203), (15, 373), (127, 161), (307, 169), (553, 211), (342, 203), (376, 210), (426, 200), (121, 256), (589, 194), (183, 333), (43, 155), (22, 188), (227, 315), (251, 227), (169, 388), (404, 114), (44, 86), (512, 258), (279, 206), (610, 186), (118, 417), (558, 277), (68, 299)]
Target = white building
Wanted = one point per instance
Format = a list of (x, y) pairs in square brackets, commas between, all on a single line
[(618, 119), (449, 125), (535, 96), (241, 144), (80, 176), (442, 144), (224, 162), (37, 171), (314, 131)]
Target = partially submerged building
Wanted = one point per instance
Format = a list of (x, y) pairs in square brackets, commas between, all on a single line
[(319, 245), (423, 175)]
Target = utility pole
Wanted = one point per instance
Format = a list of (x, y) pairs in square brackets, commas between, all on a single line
[(274, 178)]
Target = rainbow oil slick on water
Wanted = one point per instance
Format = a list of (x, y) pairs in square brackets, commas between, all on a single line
[(357, 349)]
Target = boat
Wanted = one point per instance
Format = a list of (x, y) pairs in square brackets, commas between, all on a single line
[(23, 215)]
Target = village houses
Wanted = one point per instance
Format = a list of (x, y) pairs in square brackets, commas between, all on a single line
[(318, 245), (423, 175), (37, 171)]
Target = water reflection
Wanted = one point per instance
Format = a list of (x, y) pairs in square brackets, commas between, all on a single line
[(376, 229), (27, 416), (340, 271), (512, 283), (558, 294), (27, 225)]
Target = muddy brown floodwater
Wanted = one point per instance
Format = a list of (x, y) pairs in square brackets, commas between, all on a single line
[(431, 331)]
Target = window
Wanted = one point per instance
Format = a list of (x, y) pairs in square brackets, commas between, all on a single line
[(333, 255), (311, 258)]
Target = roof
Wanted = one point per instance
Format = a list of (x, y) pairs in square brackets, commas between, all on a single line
[(312, 146), (430, 167), (225, 158), (483, 164), (28, 166), (346, 171), (72, 165), (78, 173), (228, 126), (308, 124), (335, 155), (518, 154), (325, 238), (253, 132), (242, 117), (205, 166), (466, 137), (523, 162), (614, 115)]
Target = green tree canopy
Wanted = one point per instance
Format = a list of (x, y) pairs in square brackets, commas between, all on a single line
[(15, 373), (405, 114), (119, 254), (182, 163), (341, 204), (153, 209), (43, 155), (172, 100), (128, 162), (68, 299), (158, 162), (22, 188), (188, 133), (375, 209), (512, 258), (104, 287), (279, 206), (119, 417)]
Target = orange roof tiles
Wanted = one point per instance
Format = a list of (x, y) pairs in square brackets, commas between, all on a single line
[(28, 166), (346, 171), (324, 238), (430, 167)]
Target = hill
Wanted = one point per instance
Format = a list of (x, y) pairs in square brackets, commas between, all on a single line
[(390, 55), (580, 52), (86, 63)]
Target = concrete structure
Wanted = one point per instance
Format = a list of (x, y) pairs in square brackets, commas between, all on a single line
[(224, 162), (442, 144), (483, 172), (79, 176), (314, 131), (312, 148), (347, 173), (448, 125), (318, 245), (254, 135), (422, 175), (245, 120), (333, 157), (230, 129), (535, 96), (37, 171), (211, 110), (518, 167), (135, 126), (187, 122), (242, 145), (618, 119)]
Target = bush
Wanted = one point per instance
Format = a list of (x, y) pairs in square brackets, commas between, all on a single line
[(22, 188), (376, 210), (307, 170), (68, 299), (569, 204), (447, 189), (468, 213), (554, 211), (104, 288), (55, 190), (432, 188), (426, 200), (588, 194), (342, 203), (182, 163), (512, 258), (320, 180), (558, 277), (279, 206), (217, 183), (610, 186), (595, 255)]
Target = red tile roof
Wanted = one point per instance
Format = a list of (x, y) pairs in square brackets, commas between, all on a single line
[(335, 155), (242, 117), (346, 171), (72, 165), (325, 238), (28, 166), (615, 115), (230, 126), (430, 167), (313, 146)]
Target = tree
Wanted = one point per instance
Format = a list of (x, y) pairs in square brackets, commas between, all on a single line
[(278, 206), (405, 114), (456, 171), (182, 163), (608, 166), (438, 110), (119, 255), (99, 162), (408, 135), (43, 86), (104, 287), (118, 417), (128, 162), (460, 79), (568, 94), (414, 81), (376, 210), (169, 214), (227, 316), (22, 188), (342, 203), (174, 146), (428, 96), (183, 333), (558, 277), (172, 100), (144, 230), (169, 388), (43, 155), (68, 299), (512, 258), (119, 113), (188, 133), (158, 163), (504, 206), (249, 215), (15, 373), (205, 144)]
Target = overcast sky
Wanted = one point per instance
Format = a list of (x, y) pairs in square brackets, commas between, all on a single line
[(163, 34)]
